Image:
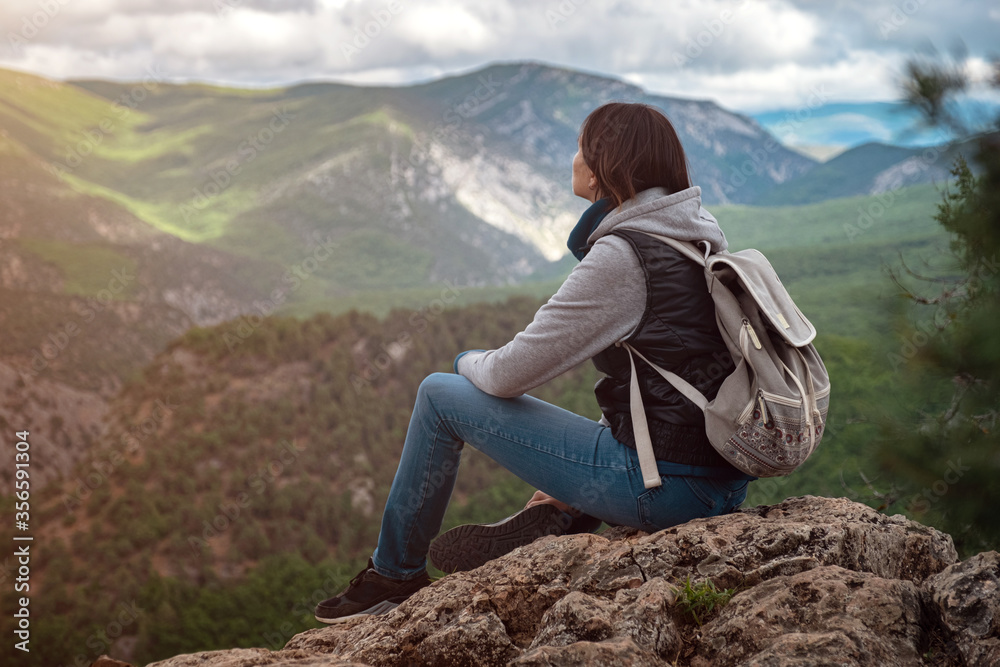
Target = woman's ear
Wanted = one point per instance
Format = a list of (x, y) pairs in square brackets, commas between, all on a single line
[(593, 186)]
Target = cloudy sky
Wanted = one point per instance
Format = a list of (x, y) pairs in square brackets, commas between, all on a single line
[(746, 54)]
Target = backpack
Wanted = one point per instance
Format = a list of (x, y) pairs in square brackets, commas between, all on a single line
[(768, 415)]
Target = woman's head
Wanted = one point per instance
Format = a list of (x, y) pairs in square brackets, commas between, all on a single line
[(628, 148)]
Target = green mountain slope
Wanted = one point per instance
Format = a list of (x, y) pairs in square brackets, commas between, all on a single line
[(868, 169), (76, 260)]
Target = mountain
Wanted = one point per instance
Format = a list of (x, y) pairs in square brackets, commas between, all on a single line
[(225, 201), (491, 146), (413, 169), (871, 169)]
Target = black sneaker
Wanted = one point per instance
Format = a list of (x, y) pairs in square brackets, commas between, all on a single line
[(469, 546), (369, 593)]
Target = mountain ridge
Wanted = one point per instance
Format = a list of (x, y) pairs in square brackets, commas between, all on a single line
[(871, 168), (486, 150)]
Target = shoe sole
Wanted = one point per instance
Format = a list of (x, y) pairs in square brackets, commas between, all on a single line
[(469, 546), (374, 610)]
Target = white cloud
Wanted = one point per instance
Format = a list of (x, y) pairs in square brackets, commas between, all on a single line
[(862, 77), (778, 31), (979, 69), (444, 30), (743, 53)]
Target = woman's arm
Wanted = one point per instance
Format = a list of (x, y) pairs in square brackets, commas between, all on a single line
[(600, 303)]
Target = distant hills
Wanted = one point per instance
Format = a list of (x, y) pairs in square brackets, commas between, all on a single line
[(349, 188), (871, 168), (850, 124), (353, 188)]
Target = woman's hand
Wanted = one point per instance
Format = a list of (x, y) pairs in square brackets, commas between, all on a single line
[(541, 498)]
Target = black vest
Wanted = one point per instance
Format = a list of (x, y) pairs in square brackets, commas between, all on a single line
[(677, 332)]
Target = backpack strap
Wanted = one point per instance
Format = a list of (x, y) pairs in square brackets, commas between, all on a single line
[(640, 428), (687, 248), (679, 383)]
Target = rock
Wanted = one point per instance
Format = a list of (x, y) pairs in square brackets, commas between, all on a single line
[(618, 652), (107, 661), (245, 657), (576, 617), (819, 581), (748, 547), (966, 598), (829, 614)]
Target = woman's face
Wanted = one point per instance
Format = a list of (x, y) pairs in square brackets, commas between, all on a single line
[(584, 181)]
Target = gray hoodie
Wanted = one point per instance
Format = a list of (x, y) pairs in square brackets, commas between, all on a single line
[(601, 301)]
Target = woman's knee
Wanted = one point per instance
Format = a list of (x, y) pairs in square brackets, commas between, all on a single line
[(437, 386)]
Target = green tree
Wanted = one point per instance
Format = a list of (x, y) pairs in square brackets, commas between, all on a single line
[(943, 450)]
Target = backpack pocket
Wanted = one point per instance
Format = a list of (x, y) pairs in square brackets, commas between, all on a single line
[(778, 431)]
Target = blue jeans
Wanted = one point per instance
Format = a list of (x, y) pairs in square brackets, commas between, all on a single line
[(569, 457)]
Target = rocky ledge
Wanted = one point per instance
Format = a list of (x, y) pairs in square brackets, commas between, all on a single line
[(818, 581)]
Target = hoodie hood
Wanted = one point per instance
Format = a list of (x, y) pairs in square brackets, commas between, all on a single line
[(679, 216)]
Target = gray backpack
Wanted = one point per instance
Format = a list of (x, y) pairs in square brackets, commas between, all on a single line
[(769, 413)]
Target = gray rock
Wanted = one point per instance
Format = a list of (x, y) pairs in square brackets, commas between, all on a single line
[(828, 614), (576, 617), (617, 652), (966, 598), (819, 581)]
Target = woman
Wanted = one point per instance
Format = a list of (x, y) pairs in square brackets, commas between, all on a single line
[(628, 287)]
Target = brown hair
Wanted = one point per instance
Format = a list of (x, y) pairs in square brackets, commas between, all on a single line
[(631, 148)]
